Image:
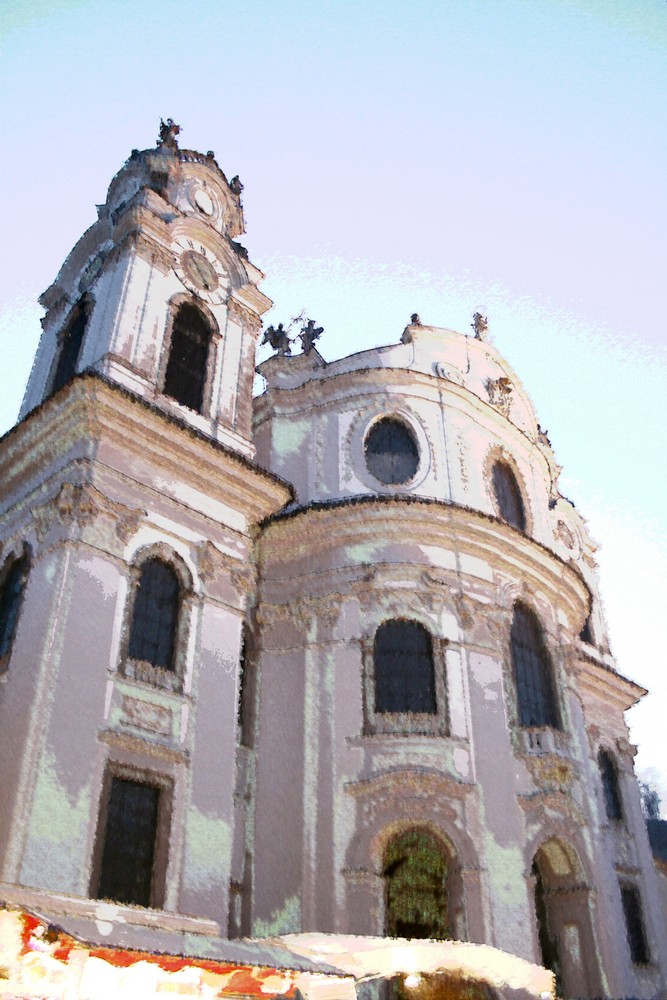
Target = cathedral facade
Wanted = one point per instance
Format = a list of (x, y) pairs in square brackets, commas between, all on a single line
[(332, 659)]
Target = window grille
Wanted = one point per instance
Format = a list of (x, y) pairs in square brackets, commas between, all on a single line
[(508, 496), (155, 615), (126, 872), (404, 673), (70, 345), (612, 794), (532, 671), (11, 595), (392, 455), (634, 924), (185, 378), (416, 882)]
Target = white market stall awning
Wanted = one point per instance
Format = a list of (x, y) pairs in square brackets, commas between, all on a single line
[(379, 957)]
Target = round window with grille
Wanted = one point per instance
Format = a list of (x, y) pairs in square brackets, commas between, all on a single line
[(392, 455)]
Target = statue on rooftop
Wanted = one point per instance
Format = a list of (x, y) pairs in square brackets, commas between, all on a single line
[(480, 325), (168, 132), (309, 334), (278, 339), (235, 185)]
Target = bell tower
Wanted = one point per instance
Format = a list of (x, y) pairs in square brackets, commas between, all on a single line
[(158, 297), (129, 502)]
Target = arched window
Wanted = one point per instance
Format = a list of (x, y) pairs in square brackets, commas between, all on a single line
[(612, 794), (546, 937), (508, 496), (12, 586), (532, 671), (392, 455), (403, 663), (155, 615), (71, 342), (416, 873), (185, 377)]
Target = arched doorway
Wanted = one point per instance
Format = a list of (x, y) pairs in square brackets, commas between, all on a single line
[(564, 930), (416, 871)]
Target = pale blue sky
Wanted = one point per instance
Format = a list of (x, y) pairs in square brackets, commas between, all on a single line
[(433, 157)]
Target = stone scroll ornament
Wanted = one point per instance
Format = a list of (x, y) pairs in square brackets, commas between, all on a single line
[(500, 393)]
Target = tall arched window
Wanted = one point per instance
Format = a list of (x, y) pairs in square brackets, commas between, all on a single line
[(532, 671), (185, 377), (155, 615), (404, 673), (12, 585), (612, 794), (71, 342), (508, 496), (416, 873)]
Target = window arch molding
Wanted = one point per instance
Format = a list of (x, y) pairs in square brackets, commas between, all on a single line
[(171, 677), (15, 565), (459, 857), (201, 381), (432, 718), (354, 447), (560, 886), (499, 456)]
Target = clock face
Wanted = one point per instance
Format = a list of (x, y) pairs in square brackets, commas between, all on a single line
[(200, 271)]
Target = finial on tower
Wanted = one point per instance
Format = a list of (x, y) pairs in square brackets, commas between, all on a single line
[(168, 132)]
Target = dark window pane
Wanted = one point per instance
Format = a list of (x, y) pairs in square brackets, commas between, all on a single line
[(532, 671), (609, 775), (70, 346), (391, 451), (129, 843), (11, 594), (247, 691), (508, 496), (188, 358), (404, 675), (155, 615), (634, 924), (415, 871)]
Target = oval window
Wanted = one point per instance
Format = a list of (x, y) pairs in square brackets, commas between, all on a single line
[(392, 455)]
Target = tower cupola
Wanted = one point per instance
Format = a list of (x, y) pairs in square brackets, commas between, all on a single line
[(159, 297)]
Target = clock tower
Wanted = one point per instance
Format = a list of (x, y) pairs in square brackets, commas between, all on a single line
[(158, 297), (130, 499)]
